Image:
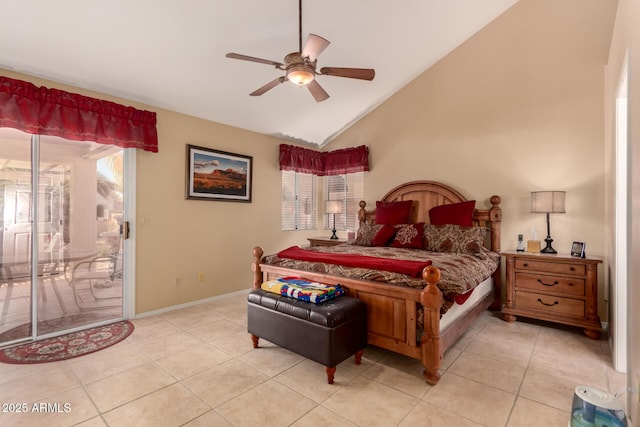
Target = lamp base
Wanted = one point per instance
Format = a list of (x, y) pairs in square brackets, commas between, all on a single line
[(334, 236), (548, 249)]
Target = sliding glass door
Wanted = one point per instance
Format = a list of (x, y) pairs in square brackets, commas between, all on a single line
[(62, 213)]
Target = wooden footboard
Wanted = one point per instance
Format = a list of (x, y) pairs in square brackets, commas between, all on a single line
[(391, 311)]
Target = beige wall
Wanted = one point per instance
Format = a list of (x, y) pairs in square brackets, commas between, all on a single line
[(517, 108), (179, 238), (626, 40)]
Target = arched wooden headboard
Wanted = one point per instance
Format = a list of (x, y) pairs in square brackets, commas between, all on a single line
[(427, 194)]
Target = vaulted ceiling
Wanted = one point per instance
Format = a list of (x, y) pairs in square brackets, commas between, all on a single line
[(171, 54)]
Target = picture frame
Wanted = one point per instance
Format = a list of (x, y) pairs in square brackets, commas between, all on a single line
[(577, 249), (218, 175)]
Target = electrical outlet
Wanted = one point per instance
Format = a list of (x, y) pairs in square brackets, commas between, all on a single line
[(201, 277), (177, 282)]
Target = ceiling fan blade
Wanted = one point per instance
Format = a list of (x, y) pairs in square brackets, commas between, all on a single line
[(268, 86), (314, 46), (352, 73), (316, 90), (253, 59)]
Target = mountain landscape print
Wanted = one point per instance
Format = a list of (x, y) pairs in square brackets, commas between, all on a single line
[(218, 175)]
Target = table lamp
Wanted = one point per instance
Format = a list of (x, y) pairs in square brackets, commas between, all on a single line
[(333, 207), (547, 202)]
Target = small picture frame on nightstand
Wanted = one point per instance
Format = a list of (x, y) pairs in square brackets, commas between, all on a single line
[(577, 249)]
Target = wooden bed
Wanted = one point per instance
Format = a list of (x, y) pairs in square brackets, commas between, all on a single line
[(392, 310)]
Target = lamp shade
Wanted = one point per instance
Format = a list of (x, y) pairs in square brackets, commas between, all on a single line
[(333, 206), (547, 201)]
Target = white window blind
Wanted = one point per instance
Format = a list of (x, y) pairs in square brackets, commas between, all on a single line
[(298, 201), (350, 189)]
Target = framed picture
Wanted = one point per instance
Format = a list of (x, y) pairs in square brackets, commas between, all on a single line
[(218, 175), (577, 249)]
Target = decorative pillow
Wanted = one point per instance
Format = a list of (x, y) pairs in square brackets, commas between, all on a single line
[(366, 232), (454, 213), (384, 235), (454, 238), (409, 236), (393, 212)]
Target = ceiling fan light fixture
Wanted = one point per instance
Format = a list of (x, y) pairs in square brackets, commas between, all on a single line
[(299, 75)]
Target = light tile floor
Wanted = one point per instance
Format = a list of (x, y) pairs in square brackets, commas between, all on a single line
[(197, 367)]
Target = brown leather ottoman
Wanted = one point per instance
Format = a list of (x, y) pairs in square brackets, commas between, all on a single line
[(327, 333)]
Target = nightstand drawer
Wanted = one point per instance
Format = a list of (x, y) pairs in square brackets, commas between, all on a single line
[(550, 304), (551, 267), (543, 283)]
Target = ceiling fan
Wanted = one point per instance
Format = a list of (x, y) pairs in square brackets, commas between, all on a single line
[(300, 67)]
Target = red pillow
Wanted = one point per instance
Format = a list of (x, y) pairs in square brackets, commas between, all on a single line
[(393, 212), (409, 236), (384, 235), (454, 213)]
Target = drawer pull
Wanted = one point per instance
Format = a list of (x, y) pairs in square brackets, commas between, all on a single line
[(572, 269), (547, 304), (525, 264), (555, 282)]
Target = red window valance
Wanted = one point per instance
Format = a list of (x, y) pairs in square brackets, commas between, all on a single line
[(337, 162), (299, 159), (45, 111)]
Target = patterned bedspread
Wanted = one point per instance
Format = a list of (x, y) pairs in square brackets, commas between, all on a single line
[(459, 272)]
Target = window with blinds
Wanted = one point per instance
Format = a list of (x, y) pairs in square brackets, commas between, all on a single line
[(298, 201), (349, 188)]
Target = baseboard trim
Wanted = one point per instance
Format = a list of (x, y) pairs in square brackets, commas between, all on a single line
[(189, 304)]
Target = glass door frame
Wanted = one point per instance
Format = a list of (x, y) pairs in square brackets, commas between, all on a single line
[(128, 291), (129, 243), (34, 217)]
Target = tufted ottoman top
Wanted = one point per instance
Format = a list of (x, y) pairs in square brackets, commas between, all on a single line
[(329, 313)]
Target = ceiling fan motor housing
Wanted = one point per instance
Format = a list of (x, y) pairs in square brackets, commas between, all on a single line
[(299, 70)]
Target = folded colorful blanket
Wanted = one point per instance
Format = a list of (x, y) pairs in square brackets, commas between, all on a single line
[(302, 289)]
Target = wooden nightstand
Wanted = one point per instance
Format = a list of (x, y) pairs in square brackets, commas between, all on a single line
[(556, 288), (325, 241)]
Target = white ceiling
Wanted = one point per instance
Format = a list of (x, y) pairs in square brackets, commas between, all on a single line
[(170, 54)]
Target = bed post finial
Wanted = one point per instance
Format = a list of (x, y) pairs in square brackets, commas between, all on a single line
[(430, 343), (495, 213), (255, 267), (431, 275)]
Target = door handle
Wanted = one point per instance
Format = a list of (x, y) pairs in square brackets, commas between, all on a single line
[(124, 230)]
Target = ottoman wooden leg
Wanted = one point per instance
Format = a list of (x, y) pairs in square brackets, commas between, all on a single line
[(330, 373), (358, 356), (255, 340)]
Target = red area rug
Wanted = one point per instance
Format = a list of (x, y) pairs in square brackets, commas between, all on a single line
[(68, 346)]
